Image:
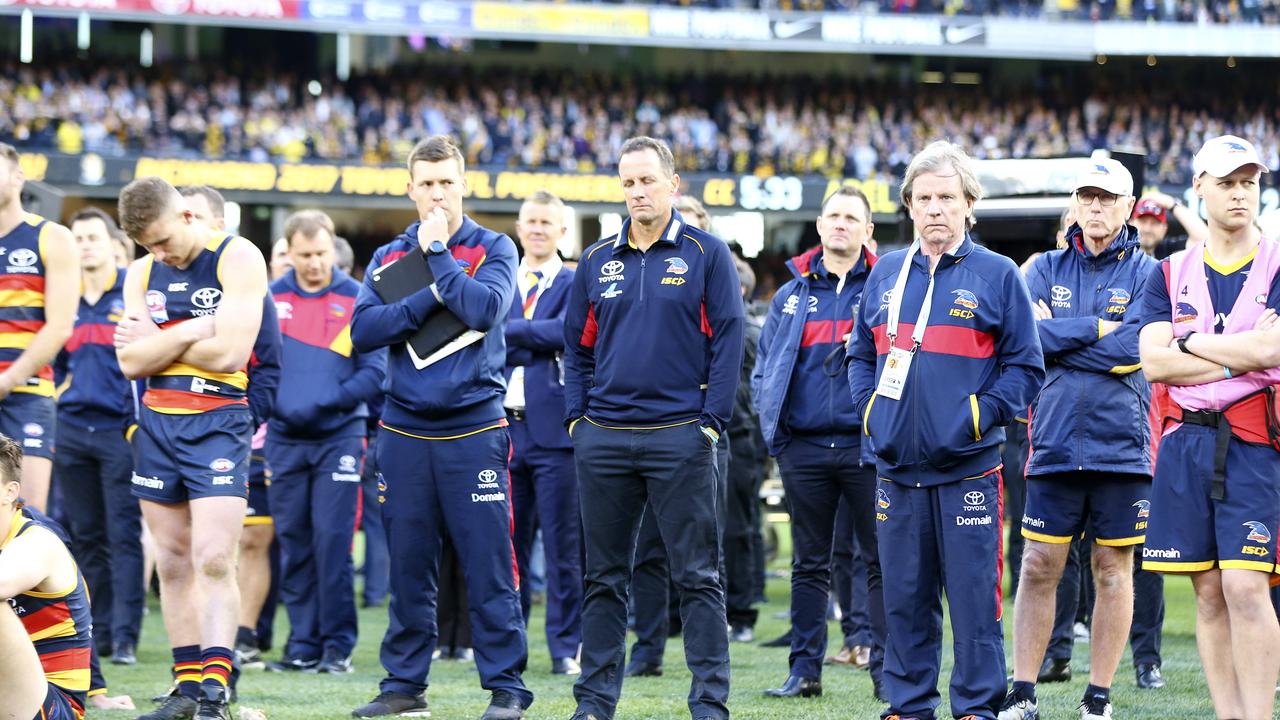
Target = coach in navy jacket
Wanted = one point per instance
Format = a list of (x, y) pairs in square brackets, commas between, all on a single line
[(544, 485), (653, 343), (443, 459), (937, 444)]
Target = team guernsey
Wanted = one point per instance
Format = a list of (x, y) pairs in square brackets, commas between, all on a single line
[(1092, 451), (194, 425), (60, 626), (27, 415), (1216, 498)]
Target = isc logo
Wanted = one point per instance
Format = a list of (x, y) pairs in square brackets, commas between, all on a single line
[(1252, 550), (1116, 309), (963, 314), (677, 281)]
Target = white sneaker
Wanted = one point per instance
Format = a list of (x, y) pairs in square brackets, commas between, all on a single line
[(1019, 709), (1081, 632), (1095, 708)]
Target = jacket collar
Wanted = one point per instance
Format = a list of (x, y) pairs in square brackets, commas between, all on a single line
[(1126, 241), (809, 262), (951, 257), (671, 236)]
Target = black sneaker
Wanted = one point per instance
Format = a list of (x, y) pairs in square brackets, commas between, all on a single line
[(174, 707), (334, 662), (393, 703), (164, 697), (213, 704), (124, 654), (1054, 670), (503, 706), (292, 664)]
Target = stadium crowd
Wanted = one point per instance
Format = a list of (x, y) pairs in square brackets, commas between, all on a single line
[(532, 119)]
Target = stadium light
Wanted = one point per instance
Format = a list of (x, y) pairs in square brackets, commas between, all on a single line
[(1102, 59), (1231, 61), (146, 48), (82, 31), (1151, 61), (315, 88), (26, 37)]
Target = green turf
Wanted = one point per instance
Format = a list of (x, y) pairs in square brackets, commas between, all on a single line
[(455, 692)]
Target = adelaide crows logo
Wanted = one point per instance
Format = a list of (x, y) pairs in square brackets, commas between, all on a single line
[(1185, 312), (1144, 508), (1258, 532), (965, 298), (882, 499), (677, 266)]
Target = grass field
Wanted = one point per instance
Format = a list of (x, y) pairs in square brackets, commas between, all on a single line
[(455, 693)]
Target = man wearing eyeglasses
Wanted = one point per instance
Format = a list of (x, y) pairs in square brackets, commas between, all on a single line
[(1091, 458)]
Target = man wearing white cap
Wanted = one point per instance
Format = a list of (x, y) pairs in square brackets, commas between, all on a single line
[(1210, 333), (1091, 461)]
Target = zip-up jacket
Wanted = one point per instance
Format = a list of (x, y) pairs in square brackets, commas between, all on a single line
[(475, 280), (979, 365), (654, 338), (1091, 413), (92, 392), (808, 319), (328, 383), (745, 424)]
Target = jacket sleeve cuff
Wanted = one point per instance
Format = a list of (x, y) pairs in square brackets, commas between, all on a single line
[(421, 304)]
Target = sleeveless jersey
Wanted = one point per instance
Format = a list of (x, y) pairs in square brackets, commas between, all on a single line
[(22, 273), (59, 625), (176, 295)]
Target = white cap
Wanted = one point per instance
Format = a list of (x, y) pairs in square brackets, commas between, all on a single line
[(1225, 154), (1106, 174)]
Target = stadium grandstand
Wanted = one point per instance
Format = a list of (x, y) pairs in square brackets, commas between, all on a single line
[(769, 106)]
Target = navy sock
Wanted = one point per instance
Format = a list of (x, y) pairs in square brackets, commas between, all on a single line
[(1098, 692), (1024, 690), (187, 670)]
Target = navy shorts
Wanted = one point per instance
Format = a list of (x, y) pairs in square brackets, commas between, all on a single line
[(177, 458), (29, 420), (58, 706), (1114, 505), (1190, 531), (258, 511)]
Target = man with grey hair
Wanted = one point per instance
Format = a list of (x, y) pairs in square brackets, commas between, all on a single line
[(653, 351), (944, 353)]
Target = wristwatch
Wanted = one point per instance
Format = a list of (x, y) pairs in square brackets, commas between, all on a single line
[(1182, 342), (436, 247)]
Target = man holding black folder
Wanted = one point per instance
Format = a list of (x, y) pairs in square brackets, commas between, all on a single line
[(443, 459), (653, 352)]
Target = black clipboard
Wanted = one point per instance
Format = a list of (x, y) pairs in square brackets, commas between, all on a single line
[(443, 333)]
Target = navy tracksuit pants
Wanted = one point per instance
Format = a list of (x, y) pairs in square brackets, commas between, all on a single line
[(651, 583), (93, 467), (816, 478), (459, 487), (670, 470), (935, 539), (315, 499), (544, 492)]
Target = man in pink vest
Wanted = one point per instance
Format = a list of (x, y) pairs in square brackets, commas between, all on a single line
[(1211, 334)]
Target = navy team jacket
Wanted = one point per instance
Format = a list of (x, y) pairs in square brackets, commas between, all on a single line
[(324, 392), (92, 392), (1092, 412), (476, 280), (654, 339), (979, 366), (808, 319), (537, 344)]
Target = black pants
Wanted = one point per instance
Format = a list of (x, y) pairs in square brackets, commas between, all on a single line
[(816, 478), (672, 471), (741, 536), (1148, 613), (94, 467), (654, 600)]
